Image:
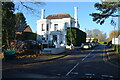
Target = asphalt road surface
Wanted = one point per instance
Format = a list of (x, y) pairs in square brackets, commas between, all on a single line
[(86, 64)]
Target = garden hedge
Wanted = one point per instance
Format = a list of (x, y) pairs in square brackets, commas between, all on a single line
[(76, 36), (117, 48)]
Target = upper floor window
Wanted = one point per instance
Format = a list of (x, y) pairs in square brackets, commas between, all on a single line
[(43, 38), (42, 25), (47, 27), (66, 25), (55, 27)]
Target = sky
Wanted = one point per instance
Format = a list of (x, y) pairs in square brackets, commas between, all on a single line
[(84, 9)]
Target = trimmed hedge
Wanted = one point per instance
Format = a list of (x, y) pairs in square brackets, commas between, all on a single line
[(78, 37), (117, 48), (27, 36), (101, 42)]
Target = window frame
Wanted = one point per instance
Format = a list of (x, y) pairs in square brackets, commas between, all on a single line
[(42, 25), (55, 27)]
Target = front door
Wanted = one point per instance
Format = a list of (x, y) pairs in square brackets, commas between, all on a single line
[(54, 38)]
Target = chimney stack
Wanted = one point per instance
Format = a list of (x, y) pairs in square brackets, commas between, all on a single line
[(76, 16), (42, 13)]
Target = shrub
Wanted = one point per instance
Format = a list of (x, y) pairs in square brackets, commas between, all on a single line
[(27, 36)]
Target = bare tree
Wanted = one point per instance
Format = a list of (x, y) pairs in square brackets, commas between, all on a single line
[(95, 33), (113, 34), (29, 7), (89, 33)]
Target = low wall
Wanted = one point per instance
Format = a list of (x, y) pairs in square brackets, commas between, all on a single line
[(53, 50)]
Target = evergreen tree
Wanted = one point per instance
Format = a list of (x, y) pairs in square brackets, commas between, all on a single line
[(106, 10), (8, 23), (20, 20)]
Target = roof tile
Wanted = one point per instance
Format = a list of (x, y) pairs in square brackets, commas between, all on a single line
[(58, 16)]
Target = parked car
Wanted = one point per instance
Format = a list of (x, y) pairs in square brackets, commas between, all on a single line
[(31, 44), (96, 43), (92, 44), (20, 45), (86, 46)]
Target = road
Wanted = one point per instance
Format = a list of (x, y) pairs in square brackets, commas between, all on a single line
[(86, 64)]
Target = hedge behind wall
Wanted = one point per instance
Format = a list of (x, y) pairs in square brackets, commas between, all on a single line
[(27, 36), (76, 35)]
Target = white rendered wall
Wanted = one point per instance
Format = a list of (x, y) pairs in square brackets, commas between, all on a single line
[(61, 27)]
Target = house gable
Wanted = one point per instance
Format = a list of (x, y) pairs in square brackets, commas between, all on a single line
[(19, 30), (27, 29)]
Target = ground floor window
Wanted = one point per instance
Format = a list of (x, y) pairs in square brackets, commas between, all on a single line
[(46, 37)]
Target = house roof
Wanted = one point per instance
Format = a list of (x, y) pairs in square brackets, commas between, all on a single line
[(22, 28), (58, 16)]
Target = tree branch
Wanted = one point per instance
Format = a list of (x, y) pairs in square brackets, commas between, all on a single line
[(26, 6)]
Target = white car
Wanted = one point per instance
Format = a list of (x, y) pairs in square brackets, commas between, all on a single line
[(86, 46)]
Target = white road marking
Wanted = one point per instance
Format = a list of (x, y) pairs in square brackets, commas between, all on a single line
[(87, 55), (89, 77), (72, 69), (90, 74), (78, 63), (106, 76), (111, 76), (76, 73)]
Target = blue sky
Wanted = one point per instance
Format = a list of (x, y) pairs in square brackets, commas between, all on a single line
[(84, 9)]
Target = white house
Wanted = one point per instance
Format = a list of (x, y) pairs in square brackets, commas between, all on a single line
[(53, 27), (116, 41)]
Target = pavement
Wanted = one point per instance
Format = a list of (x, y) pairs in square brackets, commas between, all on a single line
[(30, 60), (113, 56)]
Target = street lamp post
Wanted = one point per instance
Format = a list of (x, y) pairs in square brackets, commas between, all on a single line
[(71, 38), (114, 35), (114, 25)]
